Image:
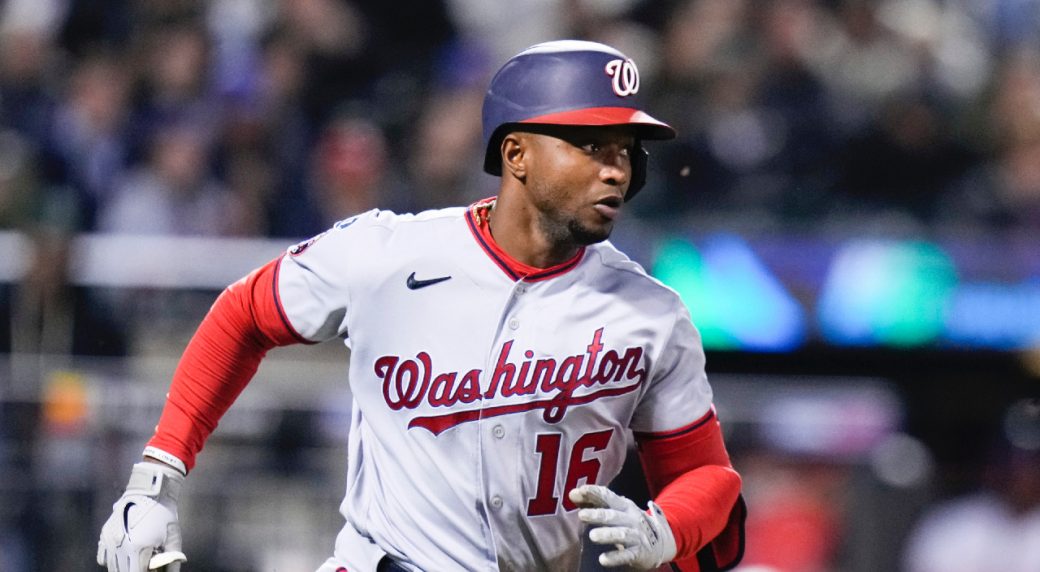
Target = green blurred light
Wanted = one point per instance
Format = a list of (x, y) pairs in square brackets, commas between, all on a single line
[(679, 265), (733, 299)]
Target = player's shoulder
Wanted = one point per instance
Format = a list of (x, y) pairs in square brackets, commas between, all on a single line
[(377, 229), (619, 267), (391, 220)]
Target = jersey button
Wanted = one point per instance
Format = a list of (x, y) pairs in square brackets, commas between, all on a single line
[(498, 431), (514, 324), (496, 502)]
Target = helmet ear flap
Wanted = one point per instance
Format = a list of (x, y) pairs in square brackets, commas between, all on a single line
[(639, 160)]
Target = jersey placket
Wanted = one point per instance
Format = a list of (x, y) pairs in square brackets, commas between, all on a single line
[(494, 432)]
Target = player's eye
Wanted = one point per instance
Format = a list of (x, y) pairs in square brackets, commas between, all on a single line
[(591, 148)]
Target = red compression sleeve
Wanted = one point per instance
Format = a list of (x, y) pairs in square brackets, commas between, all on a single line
[(689, 474), (244, 323)]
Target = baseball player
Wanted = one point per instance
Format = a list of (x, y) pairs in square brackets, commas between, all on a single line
[(500, 353)]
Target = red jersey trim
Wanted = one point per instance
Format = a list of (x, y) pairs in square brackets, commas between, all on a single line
[(680, 431), (513, 268)]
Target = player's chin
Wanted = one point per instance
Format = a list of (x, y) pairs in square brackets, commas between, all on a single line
[(591, 232)]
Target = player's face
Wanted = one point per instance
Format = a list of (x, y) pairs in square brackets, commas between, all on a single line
[(577, 179)]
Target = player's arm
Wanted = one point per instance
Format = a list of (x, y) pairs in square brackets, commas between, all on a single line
[(245, 322), (690, 478)]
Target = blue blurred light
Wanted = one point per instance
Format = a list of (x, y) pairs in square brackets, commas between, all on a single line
[(997, 316)]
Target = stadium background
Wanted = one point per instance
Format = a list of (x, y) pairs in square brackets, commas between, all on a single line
[(852, 212)]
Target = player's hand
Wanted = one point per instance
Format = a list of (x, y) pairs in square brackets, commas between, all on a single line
[(143, 532), (642, 539)]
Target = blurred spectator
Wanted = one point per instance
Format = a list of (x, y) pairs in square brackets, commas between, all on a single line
[(28, 202), (700, 37), (794, 102), (351, 172), (365, 50), (273, 124), (19, 184), (236, 29), (906, 162), (496, 24), (92, 25), (1008, 25), (707, 93), (712, 169), (250, 182), (335, 40), (998, 526), (173, 192), (863, 63), (445, 160), (954, 59), (89, 143), (175, 66), (757, 115), (27, 63), (1004, 191)]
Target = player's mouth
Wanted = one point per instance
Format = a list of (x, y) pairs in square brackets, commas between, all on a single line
[(608, 207)]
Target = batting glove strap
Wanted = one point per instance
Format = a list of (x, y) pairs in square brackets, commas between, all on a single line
[(155, 480), (642, 539)]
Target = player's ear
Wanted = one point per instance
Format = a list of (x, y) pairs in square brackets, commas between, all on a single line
[(514, 150)]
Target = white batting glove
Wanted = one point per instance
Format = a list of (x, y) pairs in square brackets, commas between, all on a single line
[(143, 532), (643, 539)]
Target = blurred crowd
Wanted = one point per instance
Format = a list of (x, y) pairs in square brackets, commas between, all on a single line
[(277, 117)]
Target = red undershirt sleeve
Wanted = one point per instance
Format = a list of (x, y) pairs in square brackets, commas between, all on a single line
[(242, 325), (690, 477)]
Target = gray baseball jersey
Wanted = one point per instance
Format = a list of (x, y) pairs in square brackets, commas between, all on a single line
[(482, 396)]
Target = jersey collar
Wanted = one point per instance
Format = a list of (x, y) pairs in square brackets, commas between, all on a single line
[(477, 219)]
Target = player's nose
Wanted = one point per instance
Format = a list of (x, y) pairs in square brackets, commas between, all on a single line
[(615, 168)]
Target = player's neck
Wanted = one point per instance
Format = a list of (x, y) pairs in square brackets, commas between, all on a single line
[(516, 229)]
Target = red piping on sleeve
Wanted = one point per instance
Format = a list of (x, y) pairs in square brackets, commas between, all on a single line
[(646, 436), (278, 304)]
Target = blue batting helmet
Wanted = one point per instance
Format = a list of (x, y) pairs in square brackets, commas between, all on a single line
[(568, 82)]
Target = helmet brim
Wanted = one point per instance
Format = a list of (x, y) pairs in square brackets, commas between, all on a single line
[(646, 126)]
